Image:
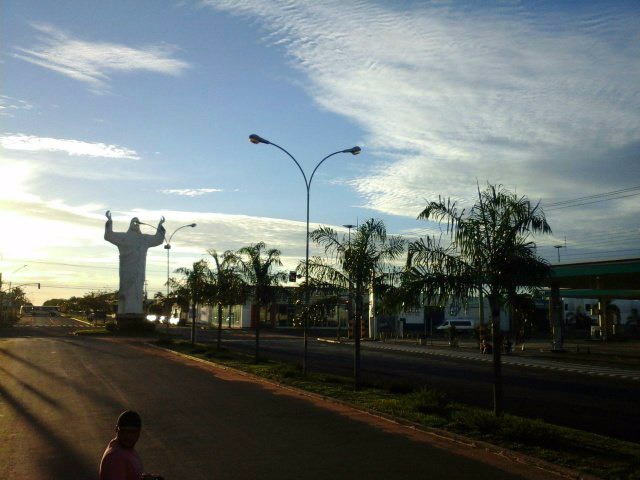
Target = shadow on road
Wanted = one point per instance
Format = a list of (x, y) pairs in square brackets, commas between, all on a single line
[(58, 466)]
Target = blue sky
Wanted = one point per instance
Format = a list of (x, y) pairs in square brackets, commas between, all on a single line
[(144, 109)]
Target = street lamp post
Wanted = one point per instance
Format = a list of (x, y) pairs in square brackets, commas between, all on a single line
[(256, 139), (16, 270), (167, 247)]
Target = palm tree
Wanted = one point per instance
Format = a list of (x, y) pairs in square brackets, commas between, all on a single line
[(226, 283), (198, 283), (257, 264), (354, 265), (490, 253), (159, 304)]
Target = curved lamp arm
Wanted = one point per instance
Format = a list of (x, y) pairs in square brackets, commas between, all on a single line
[(256, 139), (168, 245)]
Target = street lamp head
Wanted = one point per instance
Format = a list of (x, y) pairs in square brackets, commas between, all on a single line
[(193, 225), (253, 138), (353, 151)]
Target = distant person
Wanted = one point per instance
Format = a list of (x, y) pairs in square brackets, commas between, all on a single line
[(485, 347), (120, 460)]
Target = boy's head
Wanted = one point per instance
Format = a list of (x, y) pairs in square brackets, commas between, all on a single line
[(128, 428)]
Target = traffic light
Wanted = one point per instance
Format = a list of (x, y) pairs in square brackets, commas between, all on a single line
[(292, 276)]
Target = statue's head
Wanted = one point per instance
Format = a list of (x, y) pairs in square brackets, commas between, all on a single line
[(134, 225)]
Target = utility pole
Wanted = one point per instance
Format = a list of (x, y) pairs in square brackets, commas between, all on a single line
[(558, 247)]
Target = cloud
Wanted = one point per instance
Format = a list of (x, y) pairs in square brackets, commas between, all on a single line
[(190, 192), (30, 143), (8, 106), (37, 230), (94, 62), (449, 93)]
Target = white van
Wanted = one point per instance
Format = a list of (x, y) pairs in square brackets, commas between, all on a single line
[(461, 324)]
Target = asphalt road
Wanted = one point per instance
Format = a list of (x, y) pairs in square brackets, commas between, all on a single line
[(599, 404), (60, 396), (49, 321)]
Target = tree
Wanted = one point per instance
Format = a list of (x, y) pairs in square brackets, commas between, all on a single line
[(99, 300), (257, 267), (197, 281), (490, 252), (354, 264), (158, 305), (61, 303), (227, 284), (10, 302)]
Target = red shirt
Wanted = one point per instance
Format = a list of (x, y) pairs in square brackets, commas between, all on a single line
[(120, 463)]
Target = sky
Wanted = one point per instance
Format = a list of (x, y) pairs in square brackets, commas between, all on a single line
[(144, 109)]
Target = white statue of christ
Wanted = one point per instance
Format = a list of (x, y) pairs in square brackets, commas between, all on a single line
[(132, 246)]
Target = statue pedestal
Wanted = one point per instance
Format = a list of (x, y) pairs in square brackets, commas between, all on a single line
[(131, 321)]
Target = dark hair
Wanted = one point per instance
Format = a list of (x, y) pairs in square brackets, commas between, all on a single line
[(129, 418)]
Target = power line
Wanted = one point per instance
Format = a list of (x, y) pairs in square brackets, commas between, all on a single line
[(158, 269), (596, 195), (78, 287), (595, 198), (41, 262), (617, 253)]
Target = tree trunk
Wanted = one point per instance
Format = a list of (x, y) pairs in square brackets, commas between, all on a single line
[(257, 353), (481, 330), (193, 323), (496, 338), (357, 327), (219, 325)]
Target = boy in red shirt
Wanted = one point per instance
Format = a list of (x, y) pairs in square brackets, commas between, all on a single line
[(120, 460)]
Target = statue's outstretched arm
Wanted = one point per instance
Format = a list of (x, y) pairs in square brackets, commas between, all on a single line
[(109, 235)]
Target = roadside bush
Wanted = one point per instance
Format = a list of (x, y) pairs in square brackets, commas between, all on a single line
[(334, 379), (166, 341), (212, 352), (198, 349), (431, 402), (471, 421), (288, 371), (8, 319), (532, 432)]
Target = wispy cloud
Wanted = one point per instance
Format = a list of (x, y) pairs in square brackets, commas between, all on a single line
[(94, 62), (8, 106), (30, 143), (450, 93), (190, 192)]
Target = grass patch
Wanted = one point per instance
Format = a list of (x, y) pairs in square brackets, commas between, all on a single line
[(593, 454)]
